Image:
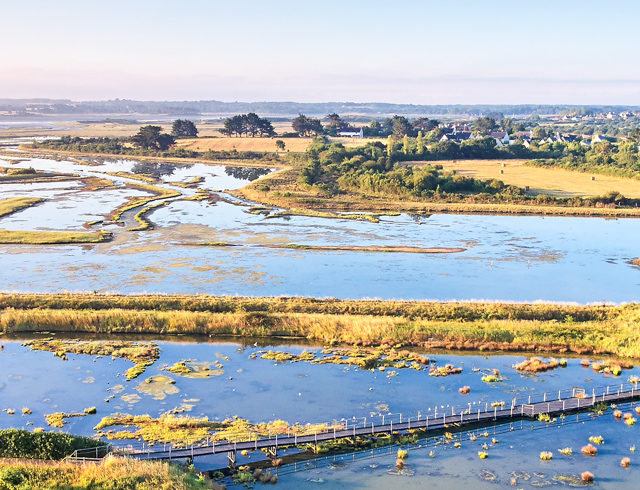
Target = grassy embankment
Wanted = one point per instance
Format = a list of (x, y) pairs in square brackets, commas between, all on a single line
[(282, 189), (13, 205), (606, 330), (9, 206), (51, 471), (157, 193)]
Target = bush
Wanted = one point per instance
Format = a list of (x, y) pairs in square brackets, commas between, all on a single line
[(15, 443)]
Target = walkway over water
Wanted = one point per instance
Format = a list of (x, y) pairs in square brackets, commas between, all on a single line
[(554, 404)]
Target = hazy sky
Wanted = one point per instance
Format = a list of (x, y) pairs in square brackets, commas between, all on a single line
[(428, 52)]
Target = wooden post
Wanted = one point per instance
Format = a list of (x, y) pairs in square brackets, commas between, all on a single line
[(495, 413)]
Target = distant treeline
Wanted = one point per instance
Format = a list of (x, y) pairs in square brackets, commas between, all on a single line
[(184, 108)]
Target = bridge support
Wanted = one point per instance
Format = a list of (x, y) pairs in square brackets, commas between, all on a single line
[(272, 453), (231, 455)]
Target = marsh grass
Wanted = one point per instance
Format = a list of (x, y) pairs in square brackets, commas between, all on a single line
[(453, 326), (28, 237), (113, 473), (15, 204), (138, 201)]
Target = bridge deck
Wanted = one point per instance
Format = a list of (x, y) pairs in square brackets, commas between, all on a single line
[(577, 402)]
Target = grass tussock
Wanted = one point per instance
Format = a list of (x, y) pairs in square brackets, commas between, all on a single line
[(113, 473)]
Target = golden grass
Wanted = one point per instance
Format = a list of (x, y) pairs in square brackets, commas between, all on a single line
[(551, 181), (52, 237), (114, 473), (461, 326), (15, 204)]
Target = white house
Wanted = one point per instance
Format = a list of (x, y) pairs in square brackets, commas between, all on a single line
[(457, 136), (598, 138), (501, 137), (351, 133)]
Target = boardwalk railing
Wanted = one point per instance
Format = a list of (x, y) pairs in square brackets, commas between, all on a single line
[(433, 419)]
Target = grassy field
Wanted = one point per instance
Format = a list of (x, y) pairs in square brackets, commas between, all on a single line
[(551, 181), (13, 205), (610, 330)]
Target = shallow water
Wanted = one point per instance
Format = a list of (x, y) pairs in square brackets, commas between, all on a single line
[(511, 258), (263, 390)]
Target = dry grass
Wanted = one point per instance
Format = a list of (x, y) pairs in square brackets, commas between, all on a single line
[(551, 181)]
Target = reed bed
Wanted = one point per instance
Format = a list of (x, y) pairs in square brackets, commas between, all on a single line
[(454, 326)]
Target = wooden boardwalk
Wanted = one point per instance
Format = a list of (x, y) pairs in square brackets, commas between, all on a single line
[(562, 402)]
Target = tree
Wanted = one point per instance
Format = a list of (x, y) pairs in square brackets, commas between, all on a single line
[(486, 124), (389, 145), (405, 145), (507, 124), (539, 133), (334, 122), (183, 128), (151, 137), (401, 126), (249, 123), (280, 145), (425, 124), (419, 144), (306, 126)]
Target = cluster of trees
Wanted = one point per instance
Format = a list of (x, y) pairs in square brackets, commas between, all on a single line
[(183, 128), (372, 169), (307, 126), (152, 138), (248, 124)]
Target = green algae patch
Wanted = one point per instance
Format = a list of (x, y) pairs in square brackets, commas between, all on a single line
[(158, 387), (59, 419), (143, 354), (363, 357), (194, 369)]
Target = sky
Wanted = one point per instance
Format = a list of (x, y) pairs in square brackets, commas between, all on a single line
[(422, 52)]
